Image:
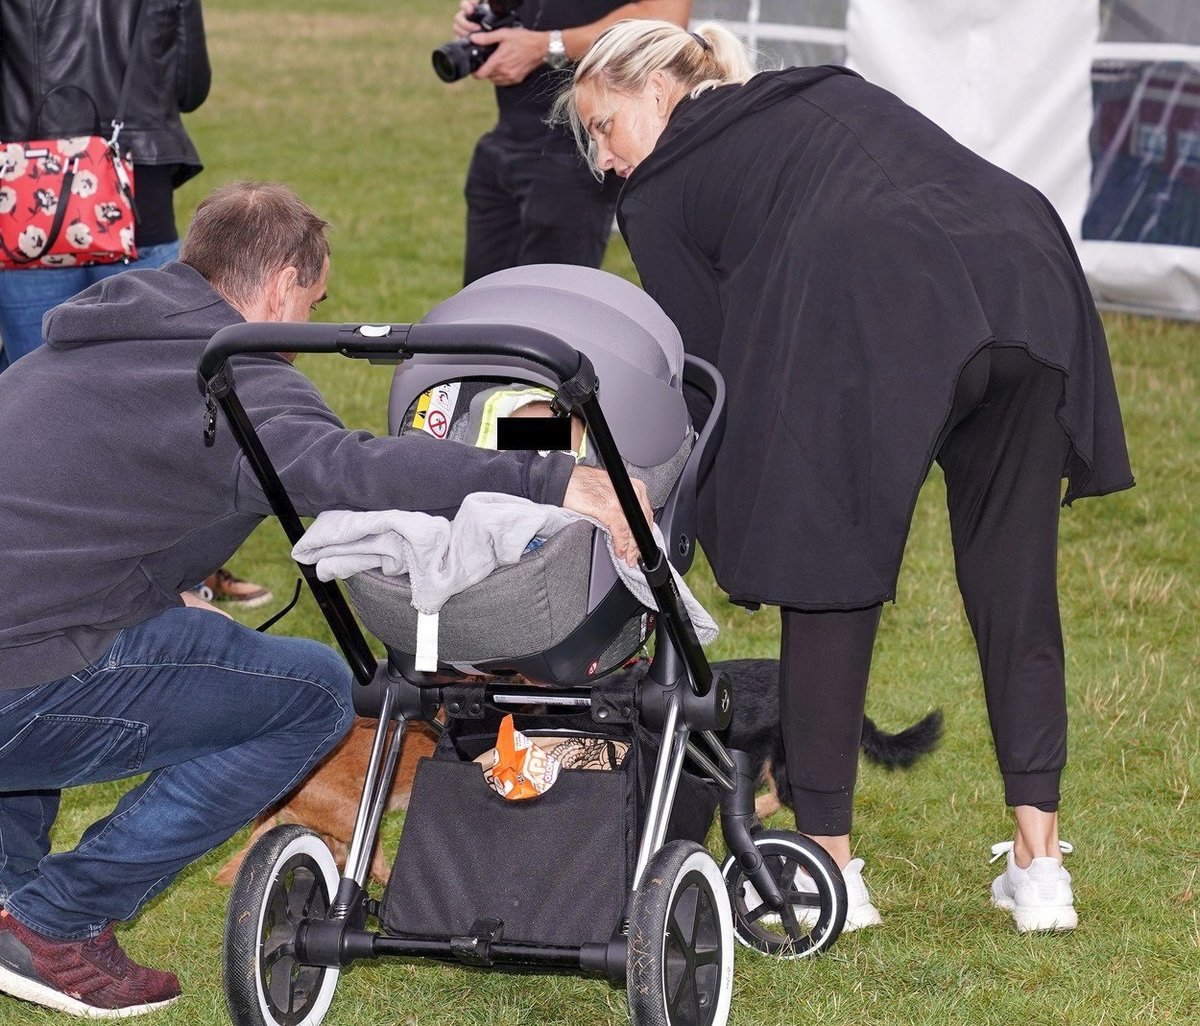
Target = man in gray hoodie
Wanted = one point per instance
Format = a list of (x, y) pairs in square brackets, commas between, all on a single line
[(118, 508)]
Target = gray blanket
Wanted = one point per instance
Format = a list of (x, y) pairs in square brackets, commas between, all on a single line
[(444, 557)]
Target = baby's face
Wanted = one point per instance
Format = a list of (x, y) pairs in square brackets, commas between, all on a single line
[(540, 409)]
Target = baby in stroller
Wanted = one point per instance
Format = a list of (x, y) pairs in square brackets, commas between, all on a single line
[(605, 872), (492, 411)]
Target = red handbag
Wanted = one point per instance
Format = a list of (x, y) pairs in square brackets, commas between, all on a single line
[(69, 202), (65, 203)]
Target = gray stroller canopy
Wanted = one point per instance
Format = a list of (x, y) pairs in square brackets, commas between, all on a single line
[(634, 347), (559, 614)]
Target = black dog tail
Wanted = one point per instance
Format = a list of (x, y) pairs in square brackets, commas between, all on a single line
[(904, 748)]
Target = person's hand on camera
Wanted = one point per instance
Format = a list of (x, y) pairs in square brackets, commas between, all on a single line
[(518, 52), (464, 25), (591, 493)]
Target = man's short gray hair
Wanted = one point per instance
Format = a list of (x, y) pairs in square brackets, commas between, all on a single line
[(245, 232)]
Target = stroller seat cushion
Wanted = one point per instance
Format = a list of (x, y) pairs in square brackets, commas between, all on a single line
[(521, 608)]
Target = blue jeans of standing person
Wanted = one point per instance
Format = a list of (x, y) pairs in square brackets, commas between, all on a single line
[(224, 719), (25, 296)]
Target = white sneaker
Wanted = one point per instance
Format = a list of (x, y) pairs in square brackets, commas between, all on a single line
[(1038, 897), (859, 911)]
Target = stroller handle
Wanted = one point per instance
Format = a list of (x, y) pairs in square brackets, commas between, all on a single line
[(395, 342)]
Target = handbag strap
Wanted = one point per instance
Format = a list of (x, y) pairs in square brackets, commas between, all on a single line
[(60, 215)]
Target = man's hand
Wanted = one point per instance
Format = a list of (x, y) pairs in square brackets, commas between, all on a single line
[(518, 52), (590, 492)]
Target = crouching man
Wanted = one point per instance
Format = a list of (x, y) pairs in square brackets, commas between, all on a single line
[(113, 506)]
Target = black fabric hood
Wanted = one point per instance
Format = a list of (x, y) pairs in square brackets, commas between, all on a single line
[(172, 302), (840, 259), (693, 121)]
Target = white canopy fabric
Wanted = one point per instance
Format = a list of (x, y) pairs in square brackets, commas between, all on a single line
[(1095, 102), (1011, 79)]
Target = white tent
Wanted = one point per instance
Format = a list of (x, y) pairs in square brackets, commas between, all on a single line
[(1096, 102)]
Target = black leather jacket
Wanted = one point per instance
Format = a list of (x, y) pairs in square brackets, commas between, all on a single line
[(85, 43)]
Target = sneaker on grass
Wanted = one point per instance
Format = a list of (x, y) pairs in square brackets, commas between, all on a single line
[(93, 979), (1039, 896), (860, 912)]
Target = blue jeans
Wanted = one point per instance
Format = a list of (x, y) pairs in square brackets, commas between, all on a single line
[(225, 721), (25, 296)]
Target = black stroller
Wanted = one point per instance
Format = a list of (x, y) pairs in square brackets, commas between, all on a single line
[(604, 873)]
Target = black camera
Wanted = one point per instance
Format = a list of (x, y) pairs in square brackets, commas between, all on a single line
[(457, 59)]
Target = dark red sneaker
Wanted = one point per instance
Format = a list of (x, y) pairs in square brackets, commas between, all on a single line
[(92, 978), (225, 587)]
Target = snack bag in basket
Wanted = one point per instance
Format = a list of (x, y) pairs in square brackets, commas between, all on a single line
[(517, 768)]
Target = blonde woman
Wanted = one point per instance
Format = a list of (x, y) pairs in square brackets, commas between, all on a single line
[(877, 297)]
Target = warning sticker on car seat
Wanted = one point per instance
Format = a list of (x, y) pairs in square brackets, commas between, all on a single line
[(435, 409)]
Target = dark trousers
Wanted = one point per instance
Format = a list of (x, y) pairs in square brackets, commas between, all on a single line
[(1002, 452), (529, 205)]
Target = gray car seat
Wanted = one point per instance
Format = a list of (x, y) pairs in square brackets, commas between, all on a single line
[(560, 615)]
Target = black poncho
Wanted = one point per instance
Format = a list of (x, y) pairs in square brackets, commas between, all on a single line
[(840, 258)]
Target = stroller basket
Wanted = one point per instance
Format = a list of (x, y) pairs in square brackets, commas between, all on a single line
[(553, 869)]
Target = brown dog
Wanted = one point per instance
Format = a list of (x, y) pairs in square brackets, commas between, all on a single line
[(328, 800)]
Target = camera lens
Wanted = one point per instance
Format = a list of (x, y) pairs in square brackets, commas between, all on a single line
[(452, 61)]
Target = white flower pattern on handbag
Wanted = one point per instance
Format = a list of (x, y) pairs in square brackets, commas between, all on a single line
[(31, 240), (84, 185), (65, 202), (44, 200), (107, 214), (12, 162), (49, 165), (79, 235), (74, 146)]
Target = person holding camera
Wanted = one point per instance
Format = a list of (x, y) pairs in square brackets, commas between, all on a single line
[(530, 197)]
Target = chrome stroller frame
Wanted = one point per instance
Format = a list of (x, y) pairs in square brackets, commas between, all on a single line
[(682, 699)]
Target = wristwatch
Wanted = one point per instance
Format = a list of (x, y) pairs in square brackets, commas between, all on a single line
[(556, 52)]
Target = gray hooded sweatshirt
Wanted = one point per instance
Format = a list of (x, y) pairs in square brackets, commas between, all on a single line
[(110, 502)]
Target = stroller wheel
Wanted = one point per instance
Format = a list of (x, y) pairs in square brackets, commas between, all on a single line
[(679, 969), (288, 877), (811, 882)]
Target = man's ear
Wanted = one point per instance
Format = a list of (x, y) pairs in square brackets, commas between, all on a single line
[(279, 287)]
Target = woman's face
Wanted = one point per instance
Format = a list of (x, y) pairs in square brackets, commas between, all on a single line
[(625, 127)]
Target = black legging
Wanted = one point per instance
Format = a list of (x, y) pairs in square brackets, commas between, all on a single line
[(1002, 453)]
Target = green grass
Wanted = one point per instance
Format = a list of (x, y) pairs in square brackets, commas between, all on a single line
[(341, 103)]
